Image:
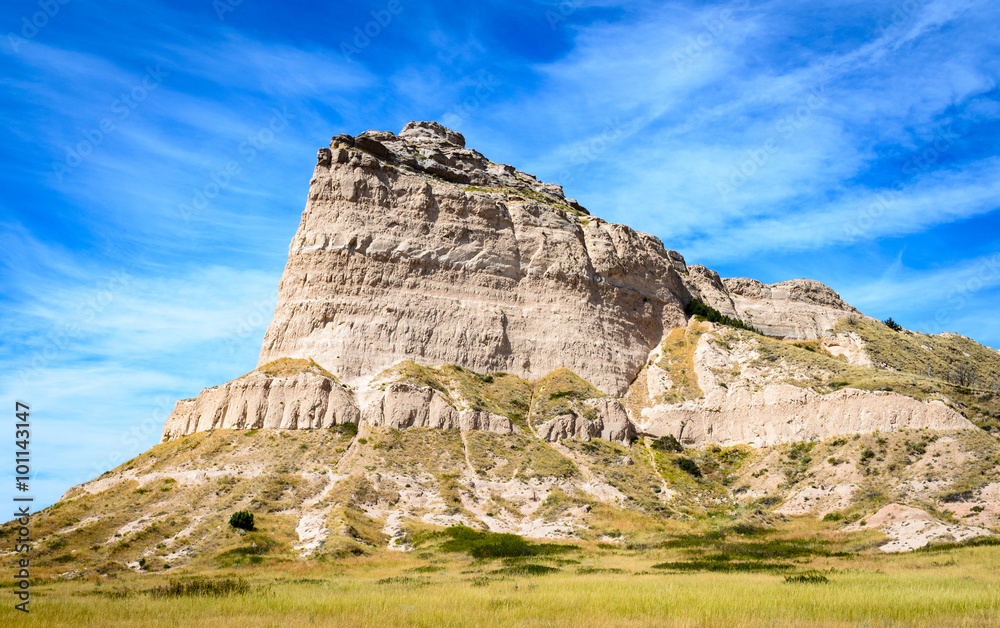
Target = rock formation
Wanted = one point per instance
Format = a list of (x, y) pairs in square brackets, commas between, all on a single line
[(797, 309), (481, 351), (404, 405), (413, 247), (301, 397), (783, 413)]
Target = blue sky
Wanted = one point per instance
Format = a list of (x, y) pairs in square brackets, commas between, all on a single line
[(850, 142)]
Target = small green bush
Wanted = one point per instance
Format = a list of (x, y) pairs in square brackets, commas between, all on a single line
[(242, 519), (202, 587), (347, 429), (712, 315), (525, 569), (809, 577), (893, 325), (668, 443), (688, 466)]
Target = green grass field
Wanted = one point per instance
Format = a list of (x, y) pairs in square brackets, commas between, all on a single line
[(586, 586)]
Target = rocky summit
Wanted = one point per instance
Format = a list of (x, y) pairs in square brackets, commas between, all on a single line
[(457, 342), (414, 248)]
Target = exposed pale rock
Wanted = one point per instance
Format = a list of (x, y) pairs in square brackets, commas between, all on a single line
[(432, 130), (800, 309), (612, 423), (752, 409), (404, 405), (785, 413), (394, 260), (911, 528), (304, 400), (415, 247), (850, 347), (706, 285)]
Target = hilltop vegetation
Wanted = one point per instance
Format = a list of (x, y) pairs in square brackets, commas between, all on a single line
[(947, 365)]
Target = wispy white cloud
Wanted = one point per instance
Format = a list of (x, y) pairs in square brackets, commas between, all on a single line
[(102, 354), (813, 135), (646, 118)]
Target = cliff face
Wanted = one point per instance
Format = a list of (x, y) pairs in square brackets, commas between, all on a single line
[(298, 395), (414, 250), (457, 342), (799, 309), (414, 247)]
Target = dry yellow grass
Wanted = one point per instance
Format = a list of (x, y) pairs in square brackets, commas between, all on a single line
[(286, 367), (603, 589), (678, 360)]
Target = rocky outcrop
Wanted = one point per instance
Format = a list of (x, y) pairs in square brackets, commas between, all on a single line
[(415, 247), (848, 346), (744, 398), (310, 400), (304, 400), (910, 528), (404, 405), (784, 413), (610, 422), (706, 285), (797, 309)]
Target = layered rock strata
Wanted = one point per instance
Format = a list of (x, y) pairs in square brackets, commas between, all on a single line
[(797, 309), (404, 405), (415, 247), (304, 400), (742, 395), (783, 413), (609, 421)]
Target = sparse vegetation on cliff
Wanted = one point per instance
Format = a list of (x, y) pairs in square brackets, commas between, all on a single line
[(703, 311), (949, 365), (562, 392), (500, 393), (287, 367), (677, 360)]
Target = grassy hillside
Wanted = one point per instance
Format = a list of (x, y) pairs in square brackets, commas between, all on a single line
[(947, 364), (947, 357), (583, 532), (169, 508), (796, 579)]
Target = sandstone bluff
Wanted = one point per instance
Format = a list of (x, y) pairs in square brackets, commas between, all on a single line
[(416, 254), (458, 343)]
